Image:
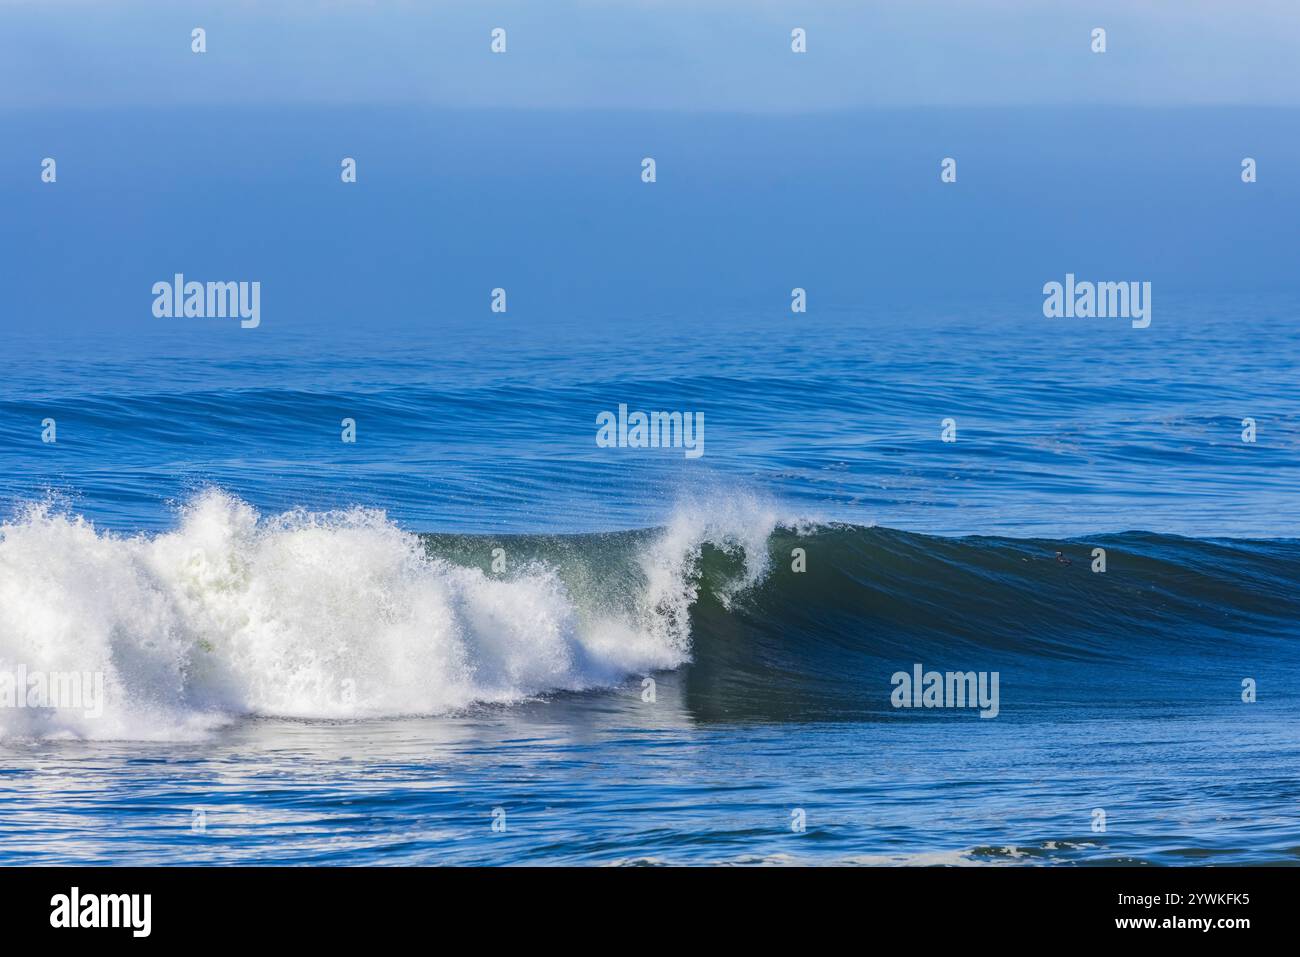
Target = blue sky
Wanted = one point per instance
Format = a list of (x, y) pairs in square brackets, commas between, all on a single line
[(726, 55)]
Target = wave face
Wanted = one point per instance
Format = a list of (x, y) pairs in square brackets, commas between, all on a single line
[(1171, 622), (343, 614)]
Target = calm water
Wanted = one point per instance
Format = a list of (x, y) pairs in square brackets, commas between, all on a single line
[(370, 652)]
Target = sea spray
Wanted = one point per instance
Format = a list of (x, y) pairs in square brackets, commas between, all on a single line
[(325, 615)]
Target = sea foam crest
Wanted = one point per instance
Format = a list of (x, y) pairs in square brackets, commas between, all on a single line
[(315, 615)]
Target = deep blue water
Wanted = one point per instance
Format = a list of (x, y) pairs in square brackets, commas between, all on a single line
[(308, 640)]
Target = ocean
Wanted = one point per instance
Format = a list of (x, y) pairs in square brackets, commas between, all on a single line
[(474, 635)]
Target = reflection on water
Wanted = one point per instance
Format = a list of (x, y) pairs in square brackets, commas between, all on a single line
[(609, 778)]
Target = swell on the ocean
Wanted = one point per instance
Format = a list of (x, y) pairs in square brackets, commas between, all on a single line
[(345, 615)]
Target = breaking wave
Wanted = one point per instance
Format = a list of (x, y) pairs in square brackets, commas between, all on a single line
[(345, 615)]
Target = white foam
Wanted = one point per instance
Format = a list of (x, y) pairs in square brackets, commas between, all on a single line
[(318, 616)]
